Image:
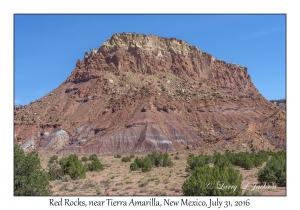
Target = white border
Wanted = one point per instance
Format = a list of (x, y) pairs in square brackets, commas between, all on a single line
[(9, 8)]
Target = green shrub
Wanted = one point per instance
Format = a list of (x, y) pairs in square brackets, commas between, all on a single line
[(160, 159), (146, 164), (131, 156), (208, 181), (154, 159), (73, 167), (84, 159), (139, 162), (93, 157), (274, 171), (53, 158), (29, 179), (96, 165), (247, 160), (221, 160), (118, 156), (198, 161), (134, 166), (126, 159), (248, 164)]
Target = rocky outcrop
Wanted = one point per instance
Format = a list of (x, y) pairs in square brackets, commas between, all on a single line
[(280, 102), (149, 54), (142, 93), (58, 140)]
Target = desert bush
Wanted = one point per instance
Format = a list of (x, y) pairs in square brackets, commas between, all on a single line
[(29, 178), (247, 163), (118, 156), (93, 157), (73, 167), (154, 159), (126, 159), (198, 161), (84, 159), (131, 156), (274, 171), (160, 159), (247, 160), (146, 164), (53, 158), (206, 181), (134, 166), (221, 161), (95, 165), (139, 162)]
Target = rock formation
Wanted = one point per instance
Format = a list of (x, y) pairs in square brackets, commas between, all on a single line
[(140, 93)]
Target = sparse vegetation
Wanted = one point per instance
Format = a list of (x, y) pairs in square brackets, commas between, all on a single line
[(117, 180), (143, 182)]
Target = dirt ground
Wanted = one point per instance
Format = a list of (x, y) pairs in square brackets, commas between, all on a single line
[(117, 180)]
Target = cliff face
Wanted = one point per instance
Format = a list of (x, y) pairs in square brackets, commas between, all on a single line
[(149, 54), (140, 93)]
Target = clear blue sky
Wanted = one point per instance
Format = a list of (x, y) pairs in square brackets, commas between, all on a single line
[(46, 47)]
